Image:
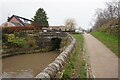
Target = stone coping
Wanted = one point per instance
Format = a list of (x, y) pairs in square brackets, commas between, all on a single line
[(57, 65)]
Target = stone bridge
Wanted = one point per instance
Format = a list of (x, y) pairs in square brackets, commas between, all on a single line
[(58, 64), (51, 40), (45, 41)]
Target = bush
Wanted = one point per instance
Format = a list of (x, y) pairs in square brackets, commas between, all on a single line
[(16, 29), (21, 34), (19, 42), (8, 37), (31, 43), (14, 42)]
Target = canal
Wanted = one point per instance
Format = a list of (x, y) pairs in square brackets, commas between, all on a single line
[(27, 65)]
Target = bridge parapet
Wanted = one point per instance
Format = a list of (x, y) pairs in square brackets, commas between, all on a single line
[(52, 34), (57, 65)]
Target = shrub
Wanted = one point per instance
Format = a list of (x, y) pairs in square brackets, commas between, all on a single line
[(31, 43), (21, 34), (19, 42), (14, 42), (8, 37), (16, 29)]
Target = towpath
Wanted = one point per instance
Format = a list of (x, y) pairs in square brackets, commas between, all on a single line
[(103, 62)]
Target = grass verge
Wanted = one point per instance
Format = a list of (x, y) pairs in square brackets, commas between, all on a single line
[(109, 40), (76, 66)]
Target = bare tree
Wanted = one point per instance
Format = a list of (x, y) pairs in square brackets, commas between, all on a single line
[(103, 16), (113, 8), (70, 24)]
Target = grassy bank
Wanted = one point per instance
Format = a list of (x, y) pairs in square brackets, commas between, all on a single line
[(109, 40), (76, 66)]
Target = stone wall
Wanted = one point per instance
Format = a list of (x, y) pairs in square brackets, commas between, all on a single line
[(43, 44), (57, 65)]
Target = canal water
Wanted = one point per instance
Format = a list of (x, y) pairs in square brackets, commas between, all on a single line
[(27, 65)]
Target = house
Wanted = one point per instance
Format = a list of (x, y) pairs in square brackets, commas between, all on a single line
[(7, 24), (15, 20), (79, 30)]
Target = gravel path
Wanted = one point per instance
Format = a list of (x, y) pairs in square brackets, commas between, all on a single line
[(103, 62)]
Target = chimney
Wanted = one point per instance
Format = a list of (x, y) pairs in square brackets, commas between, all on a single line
[(8, 19)]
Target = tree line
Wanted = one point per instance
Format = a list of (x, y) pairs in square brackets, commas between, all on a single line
[(109, 13)]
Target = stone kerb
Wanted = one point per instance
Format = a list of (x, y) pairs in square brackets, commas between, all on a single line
[(57, 65)]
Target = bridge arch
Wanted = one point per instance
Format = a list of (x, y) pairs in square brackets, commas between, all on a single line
[(56, 43)]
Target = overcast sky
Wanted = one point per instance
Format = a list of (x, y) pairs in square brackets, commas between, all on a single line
[(57, 10)]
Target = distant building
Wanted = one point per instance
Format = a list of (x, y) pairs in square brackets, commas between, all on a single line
[(57, 28), (79, 30), (53, 28), (15, 20)]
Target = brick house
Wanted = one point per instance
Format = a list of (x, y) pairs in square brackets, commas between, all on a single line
[(19, 21), (15, 20)]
